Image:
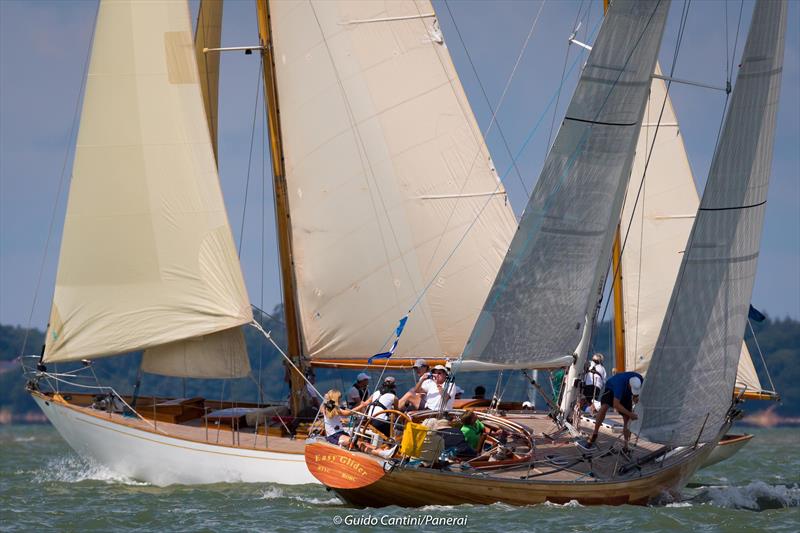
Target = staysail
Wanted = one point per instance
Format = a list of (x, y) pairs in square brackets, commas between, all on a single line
[(688, 389), (655, 230), (386, 168), (147, 257), (535, 312)]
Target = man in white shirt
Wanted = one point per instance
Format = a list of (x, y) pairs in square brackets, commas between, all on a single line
[(435, 391), (593, 382)]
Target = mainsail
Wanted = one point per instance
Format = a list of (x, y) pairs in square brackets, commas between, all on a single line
[(655, 230), (147, 257), (209, 35), (386, 168), (548, 283), (688, 390)]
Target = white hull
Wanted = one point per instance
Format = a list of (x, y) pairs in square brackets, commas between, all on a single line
[(165, 460)]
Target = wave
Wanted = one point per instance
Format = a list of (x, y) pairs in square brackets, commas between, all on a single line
[(73, 469), (276, 493), (756, 496)]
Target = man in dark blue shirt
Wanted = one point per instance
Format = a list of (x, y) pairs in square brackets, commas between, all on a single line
[(621, 392)]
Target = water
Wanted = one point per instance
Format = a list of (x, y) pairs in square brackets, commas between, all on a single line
[(45, 486)]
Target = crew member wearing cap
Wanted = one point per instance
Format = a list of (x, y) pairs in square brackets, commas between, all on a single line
[(412, 399), (358, 392), (380, 400), (622, 391), (435, 391)]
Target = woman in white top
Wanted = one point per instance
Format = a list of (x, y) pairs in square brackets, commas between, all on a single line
[(380, 400), (433, 385), (332, 413)]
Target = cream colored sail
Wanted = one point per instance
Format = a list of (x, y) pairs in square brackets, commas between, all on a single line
[(659, 230), (147, 257), (386, 169)]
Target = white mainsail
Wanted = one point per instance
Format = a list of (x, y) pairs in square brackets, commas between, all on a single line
[(147, 257), (535, 313), (688, 390), (656, 234), (209, 35), (386, 168)]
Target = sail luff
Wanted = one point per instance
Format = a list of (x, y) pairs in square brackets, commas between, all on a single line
[(536, 310), (688, 389), (147, 256)]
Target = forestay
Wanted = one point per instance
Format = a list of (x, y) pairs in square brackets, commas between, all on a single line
[(549, 280), (688, 388), (655, 230), (147, 257), (386, 169)]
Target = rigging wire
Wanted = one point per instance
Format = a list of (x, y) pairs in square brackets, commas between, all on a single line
[(61, 179), (250, 158)]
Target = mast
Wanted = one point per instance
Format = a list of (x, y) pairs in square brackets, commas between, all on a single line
[(282, 216), (619, 318)]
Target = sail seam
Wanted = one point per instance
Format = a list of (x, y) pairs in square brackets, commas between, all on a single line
[(600, 122), (732, 208)]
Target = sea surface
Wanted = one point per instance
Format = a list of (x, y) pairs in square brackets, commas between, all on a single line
[(44, 486)]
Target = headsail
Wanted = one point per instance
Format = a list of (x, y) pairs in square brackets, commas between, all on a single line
[(386, 168), (535, 312), (688, 389), (147, 257), (656, 235)]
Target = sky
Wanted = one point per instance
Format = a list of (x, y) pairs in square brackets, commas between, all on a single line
[(44, 46)]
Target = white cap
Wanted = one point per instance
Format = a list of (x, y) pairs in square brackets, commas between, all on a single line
[(388, 379), (636, 385), (441, 367), (420, 363), (362, 376), (598, 357)]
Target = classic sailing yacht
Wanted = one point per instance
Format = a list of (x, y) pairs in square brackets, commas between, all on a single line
[(549, 281), (379, 167)]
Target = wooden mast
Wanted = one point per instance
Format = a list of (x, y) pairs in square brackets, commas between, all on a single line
[(282, 216), (616, 269)]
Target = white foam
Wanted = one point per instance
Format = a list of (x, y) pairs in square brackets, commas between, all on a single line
[(756, 496), (276, 493), (571, 503), (24, 439), (679, 504), (73, 469)]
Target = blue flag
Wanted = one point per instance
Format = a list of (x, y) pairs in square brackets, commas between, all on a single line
[(755, 314), (397, 332)]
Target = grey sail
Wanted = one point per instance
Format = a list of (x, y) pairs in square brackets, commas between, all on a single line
[(534, 314), (692, 373)]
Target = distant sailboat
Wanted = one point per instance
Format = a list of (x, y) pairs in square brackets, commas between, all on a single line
[(379, 165), (542, 303)]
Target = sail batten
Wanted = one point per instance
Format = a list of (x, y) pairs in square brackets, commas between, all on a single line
[(536, 310), (386, 170), (147, 256), (693, 370)]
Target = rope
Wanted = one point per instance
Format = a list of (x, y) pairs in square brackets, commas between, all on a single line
[(268, 336)]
